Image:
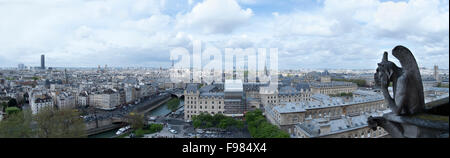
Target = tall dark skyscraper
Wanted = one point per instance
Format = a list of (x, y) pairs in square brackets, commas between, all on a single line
[(42, 61)]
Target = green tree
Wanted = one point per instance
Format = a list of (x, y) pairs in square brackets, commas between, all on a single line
[(205, 120), (3, 106), (137, 121), (155, 128), (225, 123), (12, 110), (59, 123), (35, 78), (17, 125), (260, 128)]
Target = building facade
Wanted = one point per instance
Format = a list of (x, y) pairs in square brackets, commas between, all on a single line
[(270, 95), (286, 115), (108, 99), (333, 87), (39, 101), (346, 127)]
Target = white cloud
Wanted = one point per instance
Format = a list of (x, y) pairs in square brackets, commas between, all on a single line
[(304, 25), (341, 34), (416, 17), (215, 16)]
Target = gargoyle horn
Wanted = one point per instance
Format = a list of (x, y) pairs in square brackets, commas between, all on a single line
[(385, 57)]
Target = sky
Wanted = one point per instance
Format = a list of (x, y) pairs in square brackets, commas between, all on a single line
[(312, 34)]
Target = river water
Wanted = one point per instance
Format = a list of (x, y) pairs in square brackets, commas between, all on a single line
[(160, 111)]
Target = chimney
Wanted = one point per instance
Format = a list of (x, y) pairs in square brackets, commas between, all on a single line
[(324, 129)]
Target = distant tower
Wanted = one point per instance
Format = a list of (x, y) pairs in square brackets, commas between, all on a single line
[(265, 70), (42, 61), (65, 75), (436, 73), (21, 66)]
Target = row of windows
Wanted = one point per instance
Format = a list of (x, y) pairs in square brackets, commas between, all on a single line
[(365, 108), (369, 133), (201, 107), (206, 102), (188, 116)]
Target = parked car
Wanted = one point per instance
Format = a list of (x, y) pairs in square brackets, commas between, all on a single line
[(173, 131), (200, 131)]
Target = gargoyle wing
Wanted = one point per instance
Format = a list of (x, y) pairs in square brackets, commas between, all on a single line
[(410, 67), (406, 59)]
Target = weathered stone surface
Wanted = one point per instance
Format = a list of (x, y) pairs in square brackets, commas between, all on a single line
[(406, 82), (410, 117)]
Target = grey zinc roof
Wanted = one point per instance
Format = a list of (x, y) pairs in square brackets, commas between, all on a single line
[(324, 101), (287, 89), (212, 94), (207, 88), (362, 92), (336, 126), (192, 87), (332, 83), (289, 108), (304, 86)]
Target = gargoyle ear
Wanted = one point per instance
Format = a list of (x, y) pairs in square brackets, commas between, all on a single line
[(385, 57), (379, 64)]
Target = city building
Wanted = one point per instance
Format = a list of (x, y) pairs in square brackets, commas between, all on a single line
[(207, 99), (333, 87), (106, 99), (42, 61), (65, 101), (130, 95), (436, 74), (40, 100), (272, 95), (345, 127), (21, 66), (83, 99), (233, 98), (287, 114)]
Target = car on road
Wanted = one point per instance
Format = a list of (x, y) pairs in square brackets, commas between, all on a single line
[(200, 131), (173, 131)]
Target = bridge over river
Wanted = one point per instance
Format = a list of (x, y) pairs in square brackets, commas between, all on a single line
[(152, 107)]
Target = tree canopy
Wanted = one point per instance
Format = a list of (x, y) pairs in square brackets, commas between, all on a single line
[(205, 120), (17, 125), (12, 110), (260, 128), (137, 121), (48, 123), (59, 123)]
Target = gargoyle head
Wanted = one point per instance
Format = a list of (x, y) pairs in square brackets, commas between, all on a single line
[(384, 71)]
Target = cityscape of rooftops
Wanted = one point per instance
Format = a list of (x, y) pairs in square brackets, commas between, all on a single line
[(163, 69)]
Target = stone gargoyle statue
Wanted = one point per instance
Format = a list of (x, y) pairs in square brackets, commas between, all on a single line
[(410, 117), (408, 96)]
